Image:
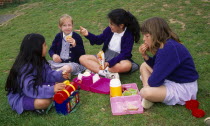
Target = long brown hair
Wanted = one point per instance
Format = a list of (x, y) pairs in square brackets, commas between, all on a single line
[(159, 31)]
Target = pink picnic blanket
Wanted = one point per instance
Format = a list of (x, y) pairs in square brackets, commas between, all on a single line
[(86, 83)]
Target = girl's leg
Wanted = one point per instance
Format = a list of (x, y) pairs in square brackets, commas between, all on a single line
[(66, 68), (145, 71), (42, 103), (153, 94), (121, 67), (90, 62), (150, 94)]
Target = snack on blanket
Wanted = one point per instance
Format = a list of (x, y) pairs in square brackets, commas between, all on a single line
[(101, 60), (126, 93), (132, 107), (129, 92), (86, 74)]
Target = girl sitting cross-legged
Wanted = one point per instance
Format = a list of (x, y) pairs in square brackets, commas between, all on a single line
[(31, 82), (170, 75), (117, 40)]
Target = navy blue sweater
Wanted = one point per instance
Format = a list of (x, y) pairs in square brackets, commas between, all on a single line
[(127, 42), (173, 62), (74, 52)]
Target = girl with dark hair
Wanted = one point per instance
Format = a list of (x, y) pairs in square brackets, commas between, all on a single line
[(170, 75), (31, 82), (118, 40)]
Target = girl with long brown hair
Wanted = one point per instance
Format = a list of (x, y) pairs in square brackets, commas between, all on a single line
[(170, 75)]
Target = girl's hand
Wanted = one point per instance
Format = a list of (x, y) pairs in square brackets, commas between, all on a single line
[(66, 75), (59, 87), (82, 31), (71, 41), (56, 58), (143, 50)]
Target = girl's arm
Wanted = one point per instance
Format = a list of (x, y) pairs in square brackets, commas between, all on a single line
[(150, 61), (98, 39), (165, 63), (143, 50), (44, 91), (54, 46), (53, 76), (79, 48)]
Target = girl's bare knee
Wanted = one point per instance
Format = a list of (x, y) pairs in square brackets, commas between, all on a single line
[(82, 58), (42, 103), (124, 66), (142, 67), (146, 92)]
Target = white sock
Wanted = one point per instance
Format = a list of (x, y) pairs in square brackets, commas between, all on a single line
[(101, 72), (146, 104), (140, 78)]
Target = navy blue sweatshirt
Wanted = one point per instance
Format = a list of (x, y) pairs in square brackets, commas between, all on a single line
[(74, 52), (172, 62)]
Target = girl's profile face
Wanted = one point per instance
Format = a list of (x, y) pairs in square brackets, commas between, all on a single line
[(147, 38), (44, 49), (67, 26), (115, 28)]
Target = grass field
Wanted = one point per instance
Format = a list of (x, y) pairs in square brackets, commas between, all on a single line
[(190, 19)]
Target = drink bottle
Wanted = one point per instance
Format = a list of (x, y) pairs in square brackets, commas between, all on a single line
[(115, 88)]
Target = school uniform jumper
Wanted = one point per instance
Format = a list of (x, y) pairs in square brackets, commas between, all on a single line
[(172, 62), (45, 90), (127, 42), (74, 52)]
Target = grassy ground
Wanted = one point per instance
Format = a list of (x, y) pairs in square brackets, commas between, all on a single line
[(189, 18)]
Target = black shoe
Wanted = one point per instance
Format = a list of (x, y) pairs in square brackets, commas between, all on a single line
[(40, 111)]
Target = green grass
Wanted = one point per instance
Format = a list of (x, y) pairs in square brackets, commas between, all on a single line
[(189, 19)]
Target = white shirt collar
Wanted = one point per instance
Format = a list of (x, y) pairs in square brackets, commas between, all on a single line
[(120, 34)]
